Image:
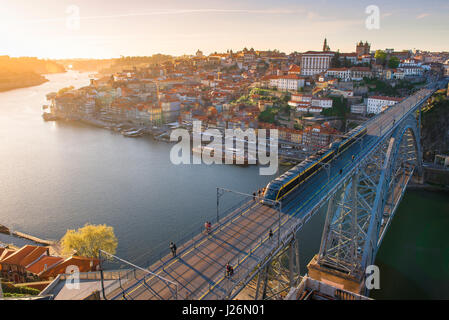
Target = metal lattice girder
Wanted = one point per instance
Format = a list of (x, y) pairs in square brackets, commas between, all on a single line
[(361, 211)]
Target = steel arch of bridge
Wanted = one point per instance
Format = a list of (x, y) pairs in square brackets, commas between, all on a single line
[(360, 212)]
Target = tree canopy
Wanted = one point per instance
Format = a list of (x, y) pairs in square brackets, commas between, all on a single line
[(88, 240), (393, 63), (381, 56)]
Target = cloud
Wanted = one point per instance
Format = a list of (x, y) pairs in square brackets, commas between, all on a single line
[(423, 15)]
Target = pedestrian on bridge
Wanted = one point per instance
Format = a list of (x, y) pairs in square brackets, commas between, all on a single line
[(208, 227), (173, 249), (229, 270), (270, 234), (254, 196), (353, 158)]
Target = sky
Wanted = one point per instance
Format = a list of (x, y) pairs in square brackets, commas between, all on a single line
[(111, 28)]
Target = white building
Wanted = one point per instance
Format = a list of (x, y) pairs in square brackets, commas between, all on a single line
[(324, 103), (301, 97), (339, 73), (306, 103), (377, 104), (313, 62), (412, 71), (288, 82)]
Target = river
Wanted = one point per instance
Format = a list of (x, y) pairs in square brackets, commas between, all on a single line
[(60, 175)]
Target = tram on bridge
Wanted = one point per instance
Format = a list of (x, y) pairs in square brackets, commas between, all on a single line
[(283, 186)]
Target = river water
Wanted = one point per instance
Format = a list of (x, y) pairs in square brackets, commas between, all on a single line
[(60, 175)]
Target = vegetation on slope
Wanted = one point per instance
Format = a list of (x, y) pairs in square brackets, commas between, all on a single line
[(435, 126)]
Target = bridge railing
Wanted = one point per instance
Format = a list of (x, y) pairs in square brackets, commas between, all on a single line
[(197, 233)]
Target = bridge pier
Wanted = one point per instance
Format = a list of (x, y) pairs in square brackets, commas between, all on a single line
[(335, 278)]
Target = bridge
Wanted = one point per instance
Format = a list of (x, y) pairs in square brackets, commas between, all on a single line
[(361, 188)]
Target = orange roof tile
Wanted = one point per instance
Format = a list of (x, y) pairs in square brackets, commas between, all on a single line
[(6, 253), (39, 266), (82, 263), (19, 255), (34, 255)]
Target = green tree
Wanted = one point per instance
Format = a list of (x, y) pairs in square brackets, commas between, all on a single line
[(88, 240), (380, 56), (268, 115), (393, 63), (335, 62)]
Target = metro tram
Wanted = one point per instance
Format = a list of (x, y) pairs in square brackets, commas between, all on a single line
[(284, 185)]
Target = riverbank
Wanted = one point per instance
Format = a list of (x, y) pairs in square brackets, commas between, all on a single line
[(19, 82), (7, 231)]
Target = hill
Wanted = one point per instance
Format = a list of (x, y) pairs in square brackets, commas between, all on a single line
[(435, 126), (25, 72)]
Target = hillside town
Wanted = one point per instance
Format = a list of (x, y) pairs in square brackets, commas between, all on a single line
[(310, 97)]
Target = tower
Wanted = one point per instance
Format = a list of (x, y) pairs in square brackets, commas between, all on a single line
[(363, 48), (325, 46)]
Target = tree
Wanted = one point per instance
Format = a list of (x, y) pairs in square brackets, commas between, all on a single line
[(335, 62), (380, 56), (88, 240), (393, 63)]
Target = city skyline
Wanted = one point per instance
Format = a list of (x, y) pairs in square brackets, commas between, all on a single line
[(137, 28)]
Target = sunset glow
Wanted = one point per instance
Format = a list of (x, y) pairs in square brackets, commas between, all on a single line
[(138, 27)]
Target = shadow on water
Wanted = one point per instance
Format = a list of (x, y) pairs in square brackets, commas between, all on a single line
[(414, 256)]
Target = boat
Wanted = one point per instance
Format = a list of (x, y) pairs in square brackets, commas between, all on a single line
[(133, 133)]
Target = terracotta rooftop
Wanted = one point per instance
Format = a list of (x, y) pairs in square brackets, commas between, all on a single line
[(19, 255), (43, 263), (82, 263)]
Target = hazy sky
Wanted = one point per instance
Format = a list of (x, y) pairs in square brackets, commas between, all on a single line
[(110, 28)]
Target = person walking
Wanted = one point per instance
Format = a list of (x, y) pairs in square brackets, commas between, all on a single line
[(254, 196), (229, 270), (173, 249), (208, 227), (270, 234)]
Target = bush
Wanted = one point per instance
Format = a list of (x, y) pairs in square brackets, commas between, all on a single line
[(11, 289)]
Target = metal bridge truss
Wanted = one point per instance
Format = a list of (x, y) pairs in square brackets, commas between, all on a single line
[(360, 212), (280, 274)]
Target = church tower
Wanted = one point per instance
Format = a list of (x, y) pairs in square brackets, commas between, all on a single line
[(325, 46)]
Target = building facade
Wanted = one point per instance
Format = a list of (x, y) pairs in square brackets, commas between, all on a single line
[(313, 63), (377, 104), (363, 48)]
